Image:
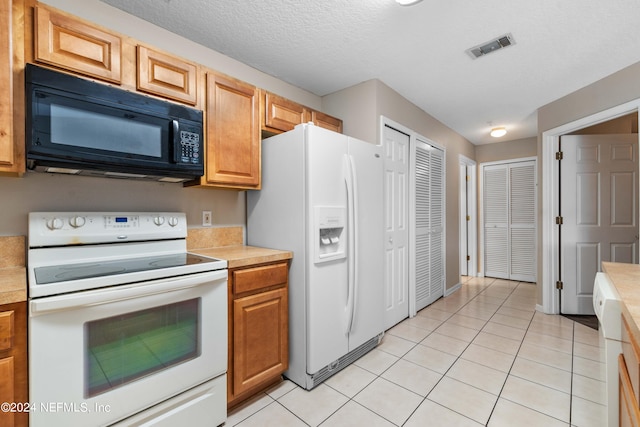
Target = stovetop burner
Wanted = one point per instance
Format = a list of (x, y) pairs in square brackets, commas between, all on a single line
[(82, 251)]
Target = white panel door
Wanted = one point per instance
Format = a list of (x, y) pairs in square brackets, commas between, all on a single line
[(396, 282), (599, 207)]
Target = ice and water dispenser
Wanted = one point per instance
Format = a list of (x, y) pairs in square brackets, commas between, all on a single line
[(330, 233)]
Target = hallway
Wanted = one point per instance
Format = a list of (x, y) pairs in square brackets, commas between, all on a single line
[(482, 356)]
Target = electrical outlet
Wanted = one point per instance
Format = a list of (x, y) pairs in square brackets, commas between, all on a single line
[(206, 218)]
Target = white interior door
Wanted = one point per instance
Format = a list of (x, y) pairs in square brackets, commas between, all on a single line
[(429, 224), (509, 220), (396, 282), (599, 209)]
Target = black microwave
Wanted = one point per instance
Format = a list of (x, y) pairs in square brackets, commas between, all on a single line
[(77, 126)]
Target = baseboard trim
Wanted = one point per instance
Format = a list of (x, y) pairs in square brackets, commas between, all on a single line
[(452, 289)]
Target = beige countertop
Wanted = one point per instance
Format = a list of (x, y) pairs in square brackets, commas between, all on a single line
[(13, 274), (13, 285), (626, 279), (242, 256)]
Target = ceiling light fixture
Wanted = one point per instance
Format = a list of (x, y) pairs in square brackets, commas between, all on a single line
[(498, 132), (407, 2)]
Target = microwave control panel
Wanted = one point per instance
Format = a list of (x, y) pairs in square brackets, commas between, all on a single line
[(189, 147)]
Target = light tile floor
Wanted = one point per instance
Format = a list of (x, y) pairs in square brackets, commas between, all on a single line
[(481, 356)]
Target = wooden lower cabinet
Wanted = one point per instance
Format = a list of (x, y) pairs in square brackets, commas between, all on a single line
[(13, 364), (628, 407), (629, 378), (258, 329)]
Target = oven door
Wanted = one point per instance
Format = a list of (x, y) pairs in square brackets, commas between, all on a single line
[(99, 356)]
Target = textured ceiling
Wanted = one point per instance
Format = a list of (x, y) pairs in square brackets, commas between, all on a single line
[(419, 51)]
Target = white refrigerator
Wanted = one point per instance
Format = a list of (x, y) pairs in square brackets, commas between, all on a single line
[(322, 199)]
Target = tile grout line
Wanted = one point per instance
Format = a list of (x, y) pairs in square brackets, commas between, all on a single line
[(484, 288), (514, 359)]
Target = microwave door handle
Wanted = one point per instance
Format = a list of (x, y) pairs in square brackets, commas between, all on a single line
[(175, 138)]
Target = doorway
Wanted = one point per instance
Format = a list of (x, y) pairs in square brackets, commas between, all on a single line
[(508, 197), (598, 210), (396, 144), (550, 264), (468, 218)]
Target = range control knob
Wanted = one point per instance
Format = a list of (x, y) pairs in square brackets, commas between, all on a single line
[(173, 221), (77, 221), (54, 224), (158, 220)]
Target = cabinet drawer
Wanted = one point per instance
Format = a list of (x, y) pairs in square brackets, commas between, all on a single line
[(166, 76), (6, 330), (631, 353), (68, 43), (252, 279)]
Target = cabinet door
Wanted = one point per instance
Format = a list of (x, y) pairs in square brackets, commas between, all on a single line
[(166, 76), (281, 114), (326, 121), (68, 43), (233, 133), (13, 362), (260, 339), (6, 85), (6, 390), (628, 403)]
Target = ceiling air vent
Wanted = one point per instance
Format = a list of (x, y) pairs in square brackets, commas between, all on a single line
[(491, 46)]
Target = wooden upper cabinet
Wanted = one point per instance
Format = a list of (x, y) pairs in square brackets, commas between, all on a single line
[(281, 114), (11, 88), (166, 76), (233, 133), (68, 43), (6, 85), (326, 121)]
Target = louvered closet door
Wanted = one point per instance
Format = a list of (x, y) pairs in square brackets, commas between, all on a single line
[(522, 201), (509, 211), (429, 221), (496, 221)]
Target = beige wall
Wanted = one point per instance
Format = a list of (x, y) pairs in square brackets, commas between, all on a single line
[(121, 22), (361, 107), (498, 151), (619, 88), (495, 152), (616, 89), (41, 192)]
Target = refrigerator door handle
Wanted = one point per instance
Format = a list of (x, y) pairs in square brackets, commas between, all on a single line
[(352, 218)]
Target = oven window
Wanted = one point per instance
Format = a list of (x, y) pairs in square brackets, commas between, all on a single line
[(124, 348)]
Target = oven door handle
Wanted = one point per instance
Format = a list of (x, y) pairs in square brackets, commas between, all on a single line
[(121, 293)]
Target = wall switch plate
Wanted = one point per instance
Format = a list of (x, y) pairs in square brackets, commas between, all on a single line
[(206, 218)]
